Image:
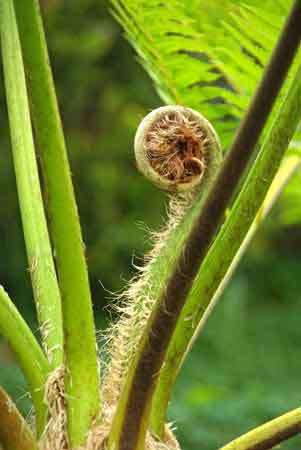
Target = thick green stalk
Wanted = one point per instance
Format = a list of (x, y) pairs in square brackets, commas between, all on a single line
[(270, 434), (15, 433), (28, 353), (39, 253), (227, 244), (82, 379)]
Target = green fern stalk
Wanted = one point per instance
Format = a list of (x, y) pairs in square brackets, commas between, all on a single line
[(82, 378), (39, 253), (270, 434), (28, 353)]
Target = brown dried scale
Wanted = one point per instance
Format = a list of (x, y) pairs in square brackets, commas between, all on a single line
[(173, 146)]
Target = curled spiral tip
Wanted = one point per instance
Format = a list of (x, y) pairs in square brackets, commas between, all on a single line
[(174, 147)]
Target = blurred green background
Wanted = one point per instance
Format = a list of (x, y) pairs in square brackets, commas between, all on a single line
[(246, 366)]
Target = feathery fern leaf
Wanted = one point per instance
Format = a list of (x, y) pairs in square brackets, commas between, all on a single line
[(205, 55)]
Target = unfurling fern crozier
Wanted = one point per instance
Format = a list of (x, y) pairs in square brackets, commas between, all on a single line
[(172, 147)]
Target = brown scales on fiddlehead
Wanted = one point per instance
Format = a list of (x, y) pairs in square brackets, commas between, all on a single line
[(175, 146), (171, 147)]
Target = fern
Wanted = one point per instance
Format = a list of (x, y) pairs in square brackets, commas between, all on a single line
[(205, 55)]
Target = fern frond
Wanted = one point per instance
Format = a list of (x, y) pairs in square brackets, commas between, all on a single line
[(205, 56)]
